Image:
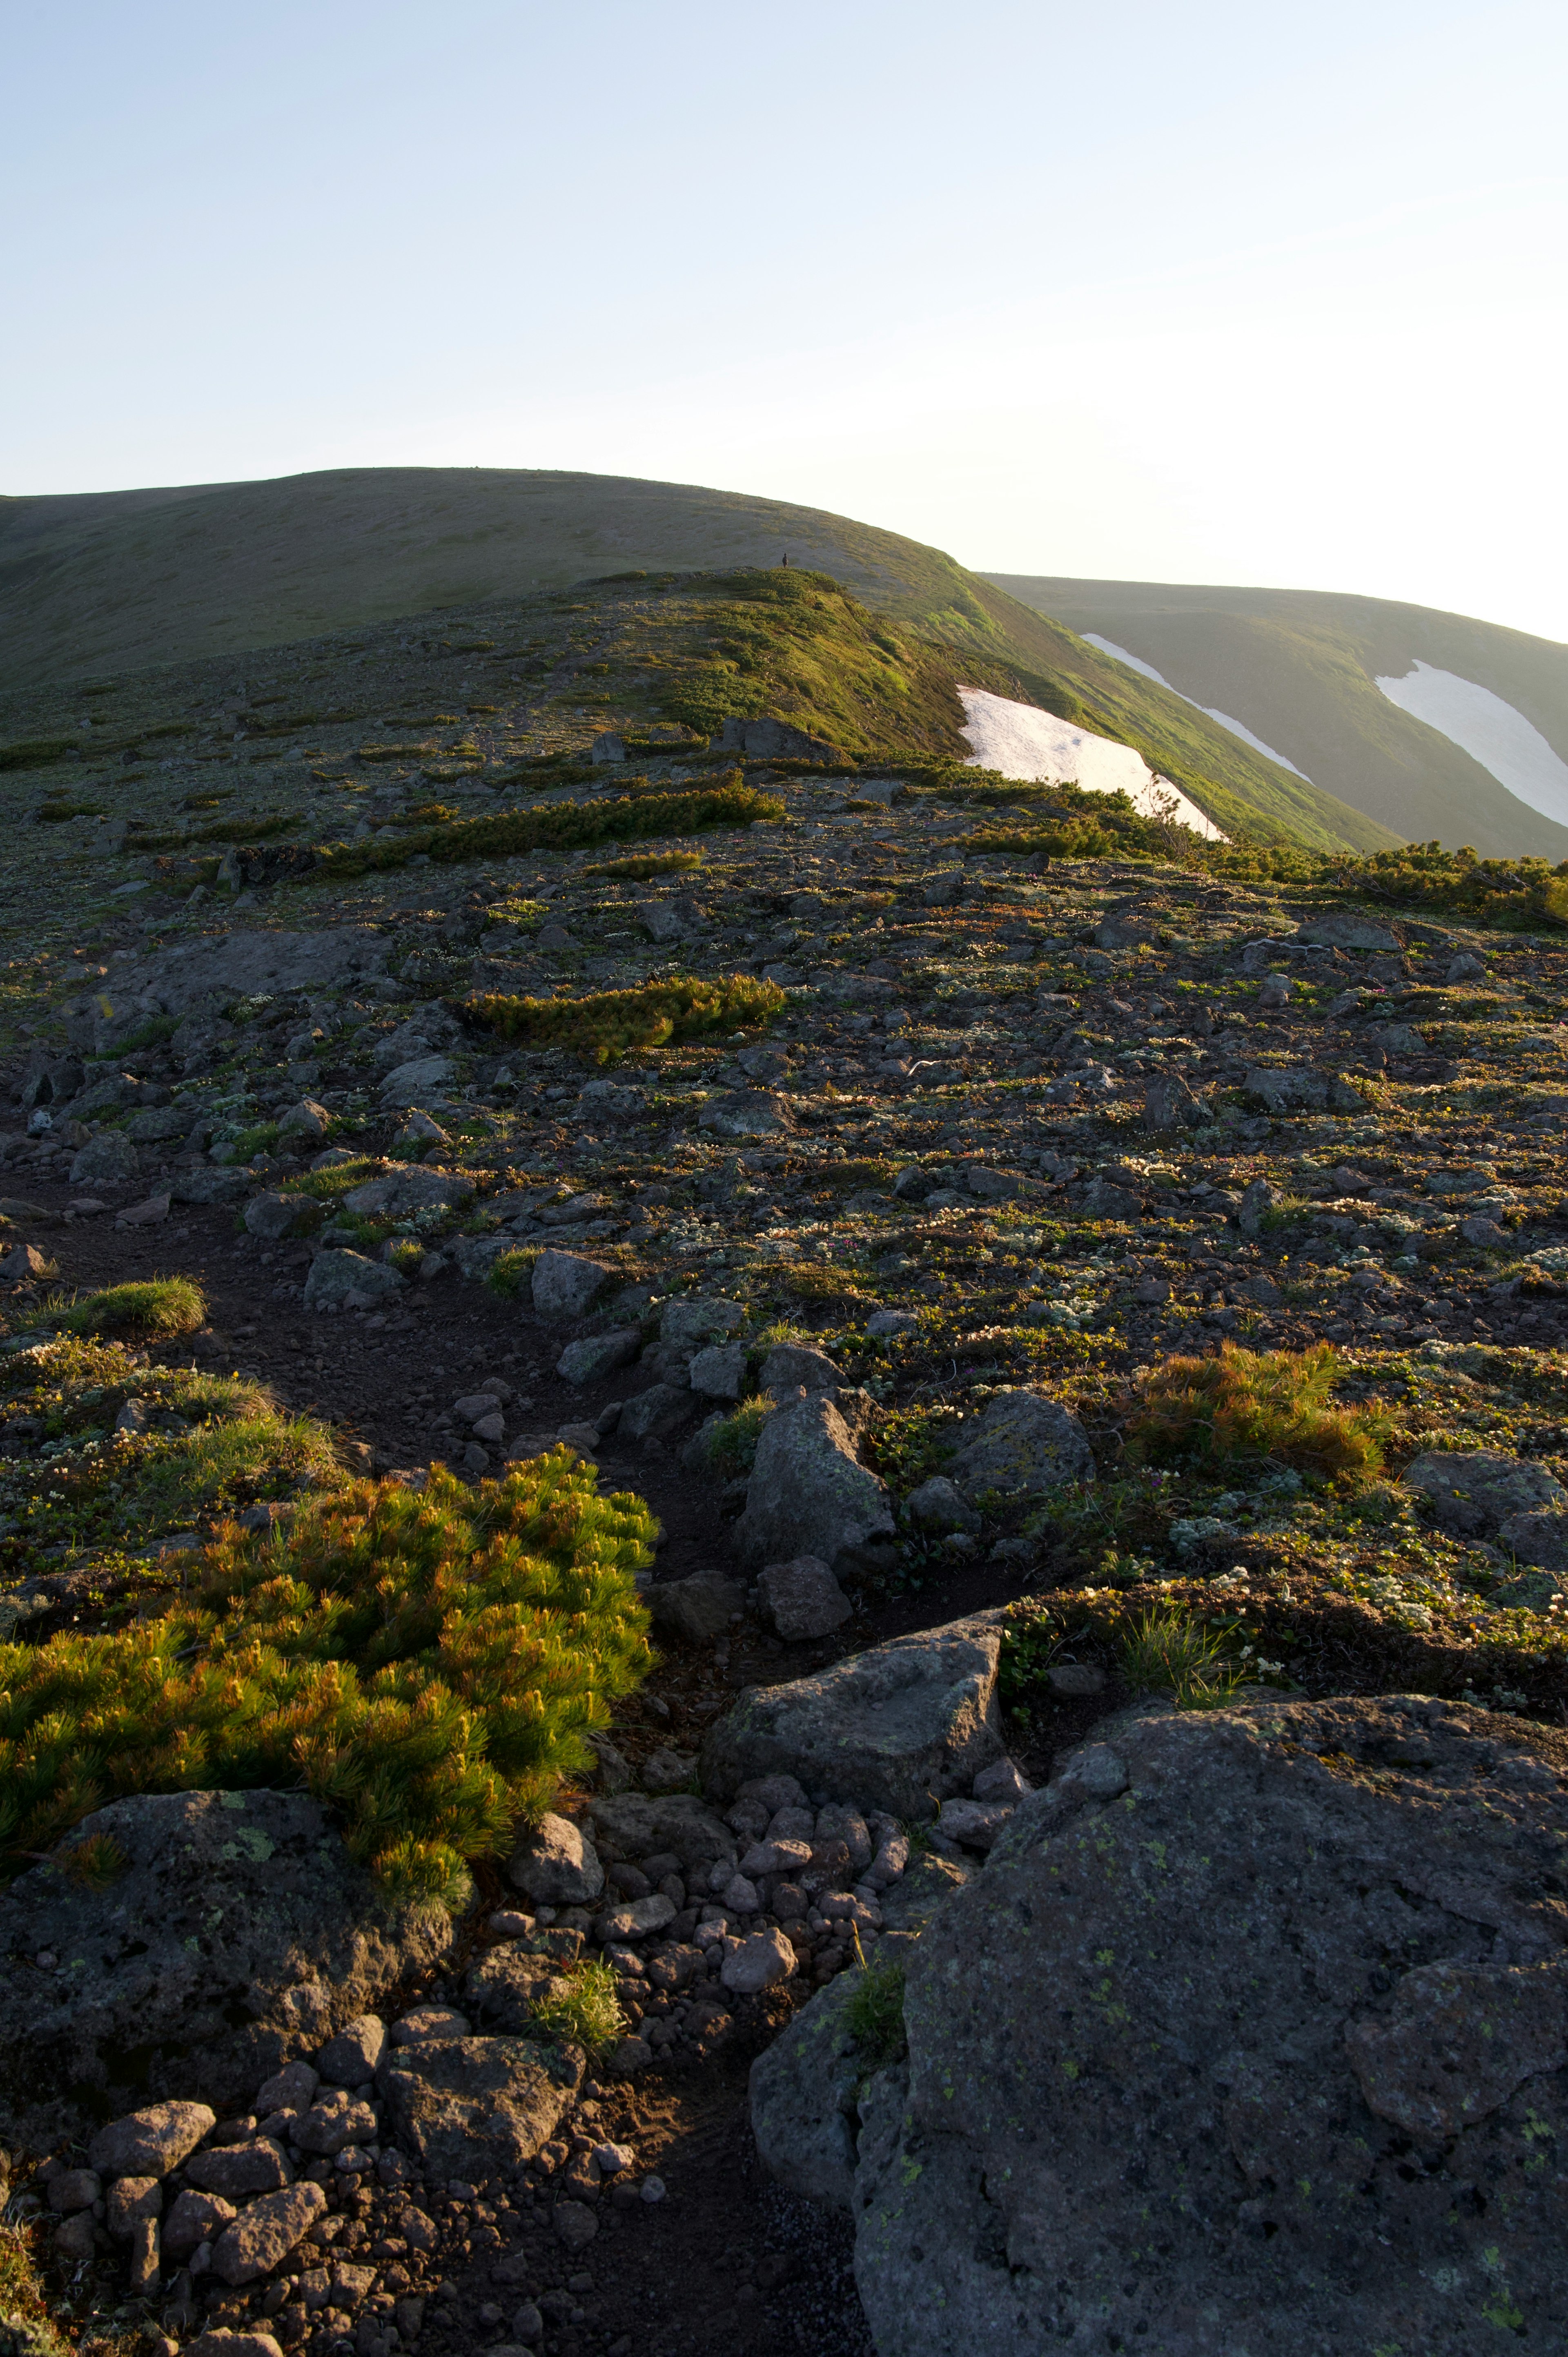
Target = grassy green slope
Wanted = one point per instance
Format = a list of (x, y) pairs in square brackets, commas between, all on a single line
[(1299, 668), (110, 582)]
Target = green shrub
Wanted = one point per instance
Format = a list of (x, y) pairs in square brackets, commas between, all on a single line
[(1242, 1405), (652, 862), (510, 1272), (562, 827), (588, 2013), (610, 1022), (732, 1445), (34, 752), (159, 1304), (875, 2015), (427, 1663)]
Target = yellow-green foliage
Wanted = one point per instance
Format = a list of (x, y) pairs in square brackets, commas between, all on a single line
[(562, 827), (586, 2013), (159, 1304), (1169, 1652), (427, 1663), (1507, 892), (1250, 1404), (608, 1023), (651, 862)]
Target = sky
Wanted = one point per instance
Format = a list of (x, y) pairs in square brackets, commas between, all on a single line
[(1217, 294)]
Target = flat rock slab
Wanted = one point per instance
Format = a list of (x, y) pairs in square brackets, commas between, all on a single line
[(885, 1728), (239, 1932), (468, 2107), (245, 965), (642, 1825), (1290, 1978)]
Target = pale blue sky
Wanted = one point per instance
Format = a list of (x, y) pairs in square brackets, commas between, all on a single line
[(1222, 293)]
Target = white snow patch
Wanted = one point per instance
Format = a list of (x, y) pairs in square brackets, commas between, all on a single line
[(1491, 731), (1022, 741), (1237, 727)]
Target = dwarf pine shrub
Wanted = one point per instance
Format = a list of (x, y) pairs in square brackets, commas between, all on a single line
[(650, 863), (610, 1022), (425, 1663), (564, 828), (1245, 1404)]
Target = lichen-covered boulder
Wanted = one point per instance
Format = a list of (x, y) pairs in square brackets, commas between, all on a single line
[(1474, 1492), (477, 2107), (887, 1728), (1252, 2035), (238, 1933), (808, 1493), (1024, 1446)]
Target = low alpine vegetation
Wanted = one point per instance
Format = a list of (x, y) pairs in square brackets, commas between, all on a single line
[(428, 1662), (569, 826), (1244, 1405), (161, 1306), (608, 1024)]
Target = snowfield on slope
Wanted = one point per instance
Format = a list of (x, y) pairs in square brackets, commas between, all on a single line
[(1021, 741), (1237, 727), (1491, 731)]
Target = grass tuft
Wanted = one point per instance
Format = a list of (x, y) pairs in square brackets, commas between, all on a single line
[(1243, 1404), (611, 1023), (588, 2013), (159, 1304), (875, 2014), (1166, 1652)]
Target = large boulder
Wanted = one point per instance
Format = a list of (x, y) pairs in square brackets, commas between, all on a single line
[(395, 1193), (107, 1160), (565, 1284), (1024, 1445), (808, 1493), (477, 2107), (698, 1607), (237, 1932), (1474, 1492), (887, 1728), (1252, 2035), (556, 1864), (347, 1280), (804, 2090)]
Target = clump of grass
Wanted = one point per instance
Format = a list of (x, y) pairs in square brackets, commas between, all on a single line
[(875, 2014), (510, 1272), (1166, 1652), (651, 862), (1243, 1404), (588, 2013), (428, 1663), (913, 1442), (33, 752), (159, 1304), (570, 826), (611, 1023), (406, 1255), (732, 1445)]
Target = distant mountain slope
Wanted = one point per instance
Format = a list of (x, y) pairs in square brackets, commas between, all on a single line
[(1299, 668), (115, 581)]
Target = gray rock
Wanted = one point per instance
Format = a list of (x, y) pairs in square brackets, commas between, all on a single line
[(421, 1076), (220, 1893), (809, 1494), (209, 1186), (1170, 1102), (939, 1506), (107, 1160), (1103, 1199), (338, 2118), (341, 1280), (1484, 1233), (193, 2218), (595, 1356), (469, 2108), (265, 2232), (803, 2088), (892, 1322), (747, 1113), (719, 1371), (802, 1598), (273, 1217), (396, 1193), (1384, 1868), (637, 1919), (655, 1412), (556, 1864), (308, 1122), (78, 2188), (1539, 1537), (1532, 1591), (694, 1318), (292, 2089), (576, 2224), (1474, 1492), (885, 1728), (221, 2341), (350, 2058), (1397, 1039), (761, 1962), (976, 1824), (150, 2143), (1024, 1445), (507, 1986), (229, 966), (157, 1124), (1291, 1088), (791, 1366), (566, 1284), (236, 2171), (641, 1825), (1342, 929), (699, 1606)]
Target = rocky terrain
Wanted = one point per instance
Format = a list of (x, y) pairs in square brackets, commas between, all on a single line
[(1060, 1329)]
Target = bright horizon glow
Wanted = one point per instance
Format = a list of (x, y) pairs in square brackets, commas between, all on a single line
[(1224, 296)]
